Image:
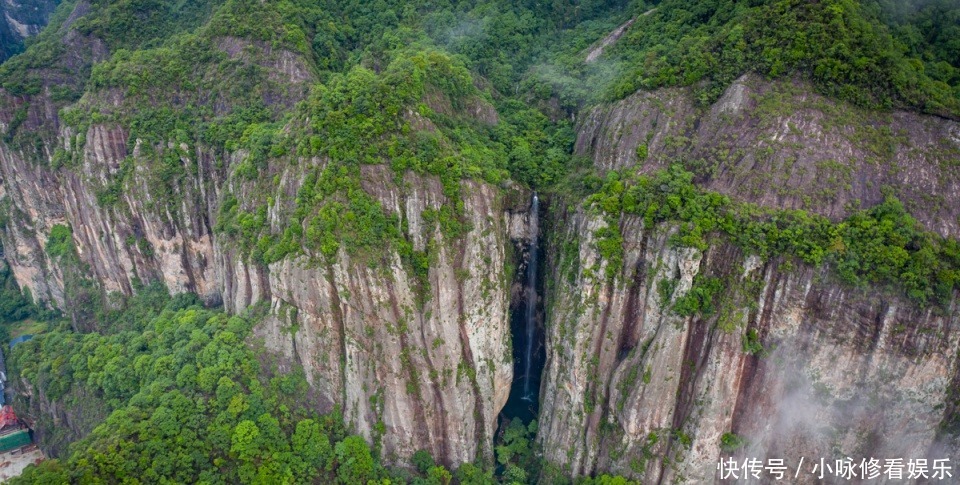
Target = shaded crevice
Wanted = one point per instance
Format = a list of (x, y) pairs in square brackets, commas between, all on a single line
[(595, 387), (526, 325), (752, 396), (423, 430), (341, 332), (293, 325), (635, 306)]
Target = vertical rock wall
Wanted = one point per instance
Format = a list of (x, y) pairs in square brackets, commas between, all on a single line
[(634, 388)]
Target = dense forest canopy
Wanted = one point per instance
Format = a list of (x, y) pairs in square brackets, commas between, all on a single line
[(877, 55), (186, 394), (185, 401)]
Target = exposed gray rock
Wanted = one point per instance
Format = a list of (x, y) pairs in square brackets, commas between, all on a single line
[(845, 372), (21, 19), (780, 145)]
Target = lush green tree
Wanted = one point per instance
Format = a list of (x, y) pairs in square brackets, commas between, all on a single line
[(423, 461), (470, 474), (355, 464), (188, 401), (882, 245)]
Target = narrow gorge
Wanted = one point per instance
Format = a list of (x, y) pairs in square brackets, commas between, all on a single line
[(527, 323), (590, 242)]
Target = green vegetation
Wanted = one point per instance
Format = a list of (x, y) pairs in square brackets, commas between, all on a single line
[(843, 46), (409, 115), (391, 83), (33, 13), (361, 118), (882, 245), (60, 241), (642, 152), (187, 405), (297, 102), (14, 305), (699, 300), (929, 30), (43, 50), (515, 453), (752, 344), (179, 393), (731, 442), (187, 401)]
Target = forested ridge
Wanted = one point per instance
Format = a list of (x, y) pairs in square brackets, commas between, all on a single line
[(484, 90)]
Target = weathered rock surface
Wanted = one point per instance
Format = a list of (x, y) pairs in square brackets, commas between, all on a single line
[(629, 387), (411, 375), (22, 19), (781, 145), (633, 388), (409, 369)]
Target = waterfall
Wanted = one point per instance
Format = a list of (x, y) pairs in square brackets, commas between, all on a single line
[(530, 316), (523, 403)]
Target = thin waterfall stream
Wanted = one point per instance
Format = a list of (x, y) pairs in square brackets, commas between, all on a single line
[(526, 327), (531, 288)]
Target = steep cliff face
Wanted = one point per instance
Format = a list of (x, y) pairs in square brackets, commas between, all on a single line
[(120, 243), (411, 375), (20, 20), (418, 356), (131, 222), (791, 361), (56, 423), (413, 361), (781, 145), (632, 387)]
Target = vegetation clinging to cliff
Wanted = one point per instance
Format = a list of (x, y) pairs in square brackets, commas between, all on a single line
[(883, 245), (187, 398), (14, 305), (384, 79), (378, 82)]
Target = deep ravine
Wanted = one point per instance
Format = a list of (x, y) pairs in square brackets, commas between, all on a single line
[(530, 317), (527, 326)]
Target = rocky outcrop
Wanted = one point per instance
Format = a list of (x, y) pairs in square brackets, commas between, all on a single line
[(779, 144), (20, 20), (412, 362), (56, 423), (792, 362), (410, 371), (406, 374), (121, 243)]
